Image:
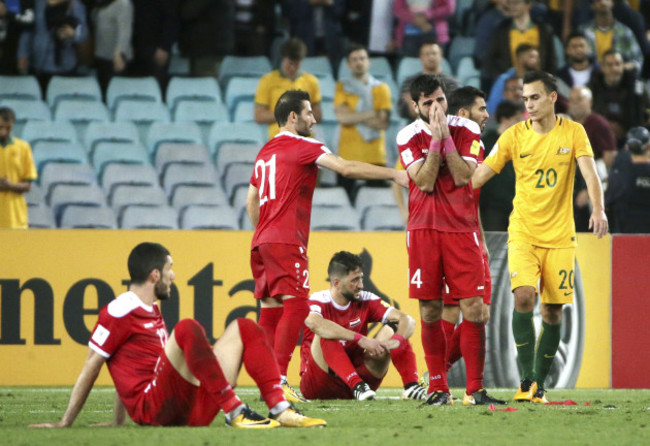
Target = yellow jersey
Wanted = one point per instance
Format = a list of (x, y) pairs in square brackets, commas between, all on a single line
[(272, 85), (545, 171), (17, 164)]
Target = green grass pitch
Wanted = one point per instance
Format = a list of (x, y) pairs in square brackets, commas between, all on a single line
[(613, 417)]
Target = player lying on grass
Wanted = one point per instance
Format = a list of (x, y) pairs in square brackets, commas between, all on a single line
[(338, 360), (177, 380)]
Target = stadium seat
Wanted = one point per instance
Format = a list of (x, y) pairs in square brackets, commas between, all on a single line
[(222, 132), (373, 196), (116, 174), (179, 65), (204, 114), (240, 89), (474, 81), (124, 195), (204, 194), (324, 218), (327, 88), (235, 152), (383, 218), (35, 131), (408, 66), (319, 66), (116, 132), (391, 141), (209, 217), (62, 195), (78, 89), (20, 87), (149, 217), (182, 174), (171, 153), (379, 68), (80, 216), (35, 196), (239, 200), (57, 152), (26, 110), (231, 66), (235, 176), (460, 47), (204, 89), (559, 51), (65, 173), (142, 114), (329, 115), (107, 153), (328, 133), (41, 216), (136, 89), (333, 197), (172, 132), (466, 69), (80, 114), (244, 112)]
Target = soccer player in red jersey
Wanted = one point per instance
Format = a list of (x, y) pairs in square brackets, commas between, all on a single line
[(338, 360), (279, 207), (440, 154), (176, 380)]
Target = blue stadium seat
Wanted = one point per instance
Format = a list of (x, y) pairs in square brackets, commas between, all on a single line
[(175, 153), (333, 197), (231, 66), (460, 47), (124, 195), (325, 218), (319, 66), (117, 132), (466, 69), (149, 217), (202, 194), (408, 66), (140, 89), (40, 217), (79, 216), (142, 114), (204, 114), (235, 152), (244, 112), (382, 218), (222, 132), (65, 173), (373, 196), (80, 114), (137, 174), (62, 195), (20, 87), (209, 217), (45, 152), (35, 131), (327, 88), (181, 174), (106, 153), (26, 110), (240, 89), (192, 88), (73, 88), (175, 132), (236, 175)]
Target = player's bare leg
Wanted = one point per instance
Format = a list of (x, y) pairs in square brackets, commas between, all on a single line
[(434, 344), (523, 330), (547, 345)]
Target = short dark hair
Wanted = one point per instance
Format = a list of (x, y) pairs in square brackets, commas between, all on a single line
[(290, 101), (429, 41), (463, 97), (145, 258), (424, 84), (524, 48), (342, 263), (293, 49), (611, 51), (7, 114), (354, 47), (507, 109), (549, 81), (574, 35)]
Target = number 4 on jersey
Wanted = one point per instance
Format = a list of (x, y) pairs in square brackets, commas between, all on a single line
[(415, 279), (260, 171)]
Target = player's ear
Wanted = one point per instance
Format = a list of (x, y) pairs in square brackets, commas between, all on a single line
[(155, 275)]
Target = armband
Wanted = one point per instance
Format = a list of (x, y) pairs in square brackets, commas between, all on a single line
[(357, 337)]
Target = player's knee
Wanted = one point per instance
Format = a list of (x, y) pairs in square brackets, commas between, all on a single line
[(431, 311), (524, 299), (187, 331), (551, 313)]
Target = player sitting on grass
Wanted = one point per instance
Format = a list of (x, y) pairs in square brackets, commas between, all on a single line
[(337, 359), (177, 380)]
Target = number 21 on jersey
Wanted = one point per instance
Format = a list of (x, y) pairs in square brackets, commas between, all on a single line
[(265, 172)]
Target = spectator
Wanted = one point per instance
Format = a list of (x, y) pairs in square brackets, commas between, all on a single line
[(113, 22), (362, 105), (17, 171), (14, 18), (431, 58), (49, 48), (155, 29), (527, 60), (253, 27), (485, 28), (603, 143), (287, 77), (605, 33), (579, 67), (628, 195), (207, 34), (497, 195), (619, 94), (418, 20), (517, 30)]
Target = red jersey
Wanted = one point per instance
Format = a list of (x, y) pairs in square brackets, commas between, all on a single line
[(132, 336), (448, 207), (285, 175), (354, 316)]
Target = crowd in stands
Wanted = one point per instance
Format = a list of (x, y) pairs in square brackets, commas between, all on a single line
[(209, 72)]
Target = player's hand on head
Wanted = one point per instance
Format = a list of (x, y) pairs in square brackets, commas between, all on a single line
[(442, 121), (598, 222)]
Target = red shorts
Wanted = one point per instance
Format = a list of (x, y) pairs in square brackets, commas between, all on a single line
[(456, 256), (320, 385), (280, 269), (170, 400), (487, 293)]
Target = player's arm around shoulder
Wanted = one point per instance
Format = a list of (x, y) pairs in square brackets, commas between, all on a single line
[(80, 391), (361, 170)]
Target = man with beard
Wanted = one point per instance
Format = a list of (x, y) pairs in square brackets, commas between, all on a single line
[(177, 380), (279, 207), (440, 153), (577, 71), (338, 360)]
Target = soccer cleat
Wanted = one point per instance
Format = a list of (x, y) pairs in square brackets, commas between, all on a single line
[(439, 398), (481, 398), (414, 392), (292, 417), (527, 389), (291, 395), (249, 419), (362, 392), (539, 396)]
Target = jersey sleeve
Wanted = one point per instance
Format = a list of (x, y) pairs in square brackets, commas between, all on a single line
[(315, 307), (109, 333), (470, 146), (501, 153), (263, 92), (29, 169), (378, 310), (314, 90), (311, 151), (581, 143), (381, 97), (409, 149)]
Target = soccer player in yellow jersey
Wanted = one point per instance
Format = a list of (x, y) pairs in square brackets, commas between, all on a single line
[(541, 245)]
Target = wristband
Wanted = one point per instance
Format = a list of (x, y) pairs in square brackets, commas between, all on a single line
[(450, 147), (435, 146), (357, 337)]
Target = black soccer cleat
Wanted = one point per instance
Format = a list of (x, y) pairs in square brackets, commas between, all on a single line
[(481, 398), (439, 398)]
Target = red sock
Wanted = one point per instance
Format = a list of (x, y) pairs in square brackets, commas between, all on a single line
[(472, 345), (269, 318), (434, 345), (260, 362), (453, 346), (339, 361), (288, 330), (190, 337), (403, 359)]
